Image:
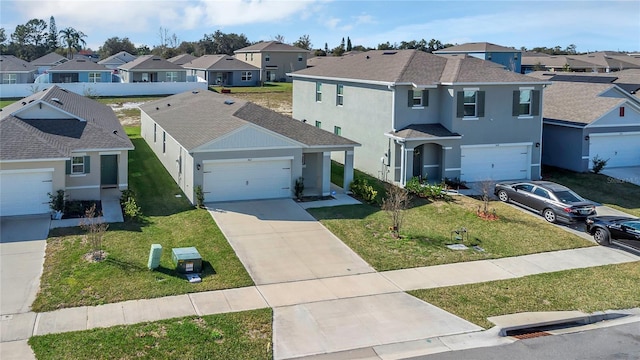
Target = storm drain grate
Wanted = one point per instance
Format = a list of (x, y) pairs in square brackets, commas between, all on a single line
[(529, 335)]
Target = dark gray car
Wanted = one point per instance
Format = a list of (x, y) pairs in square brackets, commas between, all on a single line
[(553, 201)]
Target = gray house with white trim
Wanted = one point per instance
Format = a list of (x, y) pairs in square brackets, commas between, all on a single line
[(223, 70), (237, 150), (419, 114), (585, 120), (151, 68)]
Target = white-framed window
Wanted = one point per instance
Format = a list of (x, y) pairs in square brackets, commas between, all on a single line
[(172, 76), (155, 132), (164, 142), (337, 130), (416, 99), (246, 75), (470, 103), (299, 57), (145, 77), (524, 107), (340, 95), (9, 78), (77, 165), (267, 57), (318, 124), (318, 91), (95, 77)]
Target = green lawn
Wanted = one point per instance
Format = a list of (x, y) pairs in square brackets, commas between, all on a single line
[(622, 196), (68, 280), (588, 290), (242, 335)]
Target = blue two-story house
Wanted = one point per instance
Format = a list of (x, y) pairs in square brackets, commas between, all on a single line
[(510, 58)]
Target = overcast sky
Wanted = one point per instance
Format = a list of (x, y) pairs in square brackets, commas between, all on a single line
[(590, 25)]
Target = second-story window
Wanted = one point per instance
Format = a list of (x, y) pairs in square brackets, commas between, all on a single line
[(337, 130), (318, 124), (418, 98), (94, 77), (318, 92), (526, 102), (340, 95), (299, 57), (470, 104), (267, 57)]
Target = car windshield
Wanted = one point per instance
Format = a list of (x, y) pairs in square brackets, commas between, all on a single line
[(568, 197)]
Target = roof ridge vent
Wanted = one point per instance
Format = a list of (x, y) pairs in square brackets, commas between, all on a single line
[(389, 53)]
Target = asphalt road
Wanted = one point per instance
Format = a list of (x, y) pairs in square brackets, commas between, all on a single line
[(620, 342)]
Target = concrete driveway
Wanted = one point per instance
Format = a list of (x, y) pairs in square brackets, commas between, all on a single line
[(278, 241), (629, 174), (22, 248)]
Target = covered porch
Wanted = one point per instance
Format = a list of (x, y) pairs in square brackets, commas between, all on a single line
[(316, 171), (428, 151)]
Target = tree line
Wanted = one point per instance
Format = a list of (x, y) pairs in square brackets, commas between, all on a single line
[(36, 38)]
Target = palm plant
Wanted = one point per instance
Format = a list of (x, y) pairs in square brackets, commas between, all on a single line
[(74, 40)]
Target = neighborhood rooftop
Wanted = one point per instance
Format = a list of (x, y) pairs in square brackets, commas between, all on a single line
[(578, 102)]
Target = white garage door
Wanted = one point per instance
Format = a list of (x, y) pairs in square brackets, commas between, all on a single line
[(247, 180), (23, 193), (496, 162), (621, 149)]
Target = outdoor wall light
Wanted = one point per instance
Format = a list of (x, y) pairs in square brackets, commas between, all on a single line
[(586, 138), (537, 144), (198, 166)]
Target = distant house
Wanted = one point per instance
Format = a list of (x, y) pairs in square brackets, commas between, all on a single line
[(628, 80), (274, 59), (224, 70), (16, 71), (424, 115), (79, 70), (585, 120), (115, 60), (510, 58), (181, 59), (48, 61), (152, 68), (600, 62), (237, 150), (58, 140)]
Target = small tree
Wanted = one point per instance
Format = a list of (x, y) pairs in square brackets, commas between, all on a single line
[(486, 187), (299, 188), (598, 164), (95, 228), (394, 204)]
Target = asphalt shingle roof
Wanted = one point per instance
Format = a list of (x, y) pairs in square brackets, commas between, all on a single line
[(577, 102), (198, 117), (476, 47), (273, 46), (10, 63), (79, 65), (423, 131), (49, 60), (413, 66), (119, 58), (22, 139), (218, 62), (181, 59), (150, 62)]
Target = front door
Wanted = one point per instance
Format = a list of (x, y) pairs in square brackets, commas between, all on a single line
[(417, 161), (109, 170)]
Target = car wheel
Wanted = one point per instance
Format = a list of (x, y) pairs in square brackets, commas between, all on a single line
[(503, 196), (549, 215), (601, 236)]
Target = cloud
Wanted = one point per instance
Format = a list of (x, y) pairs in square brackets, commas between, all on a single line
[(332, 23), (364, 19)]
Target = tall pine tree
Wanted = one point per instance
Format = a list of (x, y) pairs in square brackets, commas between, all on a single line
[(349, 46), (52, 37)]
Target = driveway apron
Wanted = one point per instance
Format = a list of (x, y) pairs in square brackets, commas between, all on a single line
[(277, 241)]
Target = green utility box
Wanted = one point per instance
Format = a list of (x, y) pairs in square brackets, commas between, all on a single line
[(154, 256), (187, 260)]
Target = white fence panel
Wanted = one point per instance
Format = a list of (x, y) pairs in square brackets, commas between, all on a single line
[(105, 89)]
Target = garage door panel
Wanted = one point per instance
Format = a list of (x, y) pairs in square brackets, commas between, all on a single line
[(25, 193), (620, 150), (504, 162), (247, 180)]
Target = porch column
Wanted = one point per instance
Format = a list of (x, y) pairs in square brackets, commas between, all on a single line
[(348, 170), (326, 173), (408, 165)]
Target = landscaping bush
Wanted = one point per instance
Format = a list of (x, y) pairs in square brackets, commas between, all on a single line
[(428, 191), (361, 188), (199, 197), (598, 164), (130, 207)]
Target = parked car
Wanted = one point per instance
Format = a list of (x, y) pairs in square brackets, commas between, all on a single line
[(553, 201), (605, 228)]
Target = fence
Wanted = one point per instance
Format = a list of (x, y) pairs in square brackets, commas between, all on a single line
[(104, 89)]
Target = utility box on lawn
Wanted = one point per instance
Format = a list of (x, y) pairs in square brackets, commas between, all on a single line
[(187, 260)]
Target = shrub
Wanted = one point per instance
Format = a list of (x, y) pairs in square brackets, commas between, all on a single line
[(299, 187), (56, 201), (361, 188), (130, 207), (598, 164), (199, 196), (414, 185)]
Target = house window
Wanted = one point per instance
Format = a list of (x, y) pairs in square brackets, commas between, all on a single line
[(337, 130), (340, 95), (621, 111), (319, 92), (77, 165), (145, 77), (9, 78), (526, 102), (418, 98), (251, 56), (172, 76), (155, 126), (95, 77), (470, 105), (246, 76), (164, 142), (318, 124), (299, 57), (246, 56), (267, 57)]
